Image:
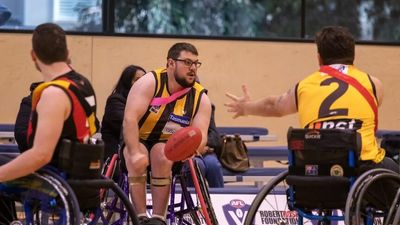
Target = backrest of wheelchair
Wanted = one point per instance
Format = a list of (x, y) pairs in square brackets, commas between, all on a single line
[(322, 165), (80, 162)]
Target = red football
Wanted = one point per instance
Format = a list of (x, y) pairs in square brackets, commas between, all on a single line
[(183, 143)]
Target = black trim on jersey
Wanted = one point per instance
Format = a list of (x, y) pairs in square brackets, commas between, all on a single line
[(88, 109), (169, 108), (295, 96), (198, 102), (164, 79), (189, 102), (163, 83), (144, 117), (373, 88), (155, 77)]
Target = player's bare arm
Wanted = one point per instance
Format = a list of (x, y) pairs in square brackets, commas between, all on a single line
[(273, 105), (202, 121), (53, 109), (137, 103)]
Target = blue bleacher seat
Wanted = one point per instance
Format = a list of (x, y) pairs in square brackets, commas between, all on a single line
[(4, 127)]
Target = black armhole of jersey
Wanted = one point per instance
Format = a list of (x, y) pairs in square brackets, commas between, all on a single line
[(373, 88), (199, 101), (295, 96), (155, 77)]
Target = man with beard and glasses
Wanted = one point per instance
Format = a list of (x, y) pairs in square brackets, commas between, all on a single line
[(147, 125)]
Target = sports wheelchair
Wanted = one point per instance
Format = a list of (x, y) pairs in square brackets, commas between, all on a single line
[(321, 184), (70, 193), (189, 210)]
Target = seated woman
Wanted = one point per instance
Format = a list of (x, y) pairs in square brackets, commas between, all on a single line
[(115, 107)]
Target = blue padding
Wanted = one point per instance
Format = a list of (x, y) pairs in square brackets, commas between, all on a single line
[(256, 131), (381, 133), (239, 189), (255, 172), (9, 148), (273, 152), (7, 127), (235, 190)]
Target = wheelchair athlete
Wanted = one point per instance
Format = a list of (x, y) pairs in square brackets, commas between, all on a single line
[(63, 107), (324, 101)]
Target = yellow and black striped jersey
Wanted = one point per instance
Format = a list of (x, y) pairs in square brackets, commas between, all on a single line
[(159, 122)]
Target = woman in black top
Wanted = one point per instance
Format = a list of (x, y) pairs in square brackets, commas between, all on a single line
[(115, 107)]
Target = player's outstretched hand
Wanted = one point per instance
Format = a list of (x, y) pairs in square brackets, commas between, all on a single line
[(238, 104)]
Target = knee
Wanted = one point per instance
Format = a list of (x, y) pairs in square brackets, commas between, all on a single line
[(137, 162)]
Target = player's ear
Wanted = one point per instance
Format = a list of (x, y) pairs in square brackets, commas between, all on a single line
[(33, 55), (170, 62), (320, 62)]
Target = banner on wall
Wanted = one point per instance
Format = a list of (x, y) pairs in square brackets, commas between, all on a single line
[(232, 209)]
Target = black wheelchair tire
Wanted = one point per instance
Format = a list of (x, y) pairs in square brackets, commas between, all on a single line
[(255, 205)]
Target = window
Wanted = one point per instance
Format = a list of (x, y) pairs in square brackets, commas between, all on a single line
[(368, 20), (234, 18), (72, 15)]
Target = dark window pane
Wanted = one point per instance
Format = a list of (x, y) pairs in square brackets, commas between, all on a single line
[(72, 15), (234, 18), (368, 20)]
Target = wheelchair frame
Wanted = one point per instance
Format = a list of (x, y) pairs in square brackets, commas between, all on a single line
[(350, 214), (49, 199), (176, 211)]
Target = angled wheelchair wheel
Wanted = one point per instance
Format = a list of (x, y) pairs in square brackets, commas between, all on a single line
[(109, 169), (43, 198), (396, 219), (270, 204), (115, 207), (374, 196), (201, 187)]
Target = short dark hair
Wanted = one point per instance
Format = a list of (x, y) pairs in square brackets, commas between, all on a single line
[(49, 43), (335, 45), (176, 49), (125, 80)]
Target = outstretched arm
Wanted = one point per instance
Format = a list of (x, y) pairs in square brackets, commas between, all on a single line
[(273, 106)]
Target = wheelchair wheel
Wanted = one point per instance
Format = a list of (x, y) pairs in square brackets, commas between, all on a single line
[(108, 171), (396, 219), (115, 207), (45, 198), (273, 197), (370, 198), (203, 194)]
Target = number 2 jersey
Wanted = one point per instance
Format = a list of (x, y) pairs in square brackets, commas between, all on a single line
[(324, 102)]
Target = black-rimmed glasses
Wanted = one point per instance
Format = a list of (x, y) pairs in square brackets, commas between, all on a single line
[(189, 63)]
